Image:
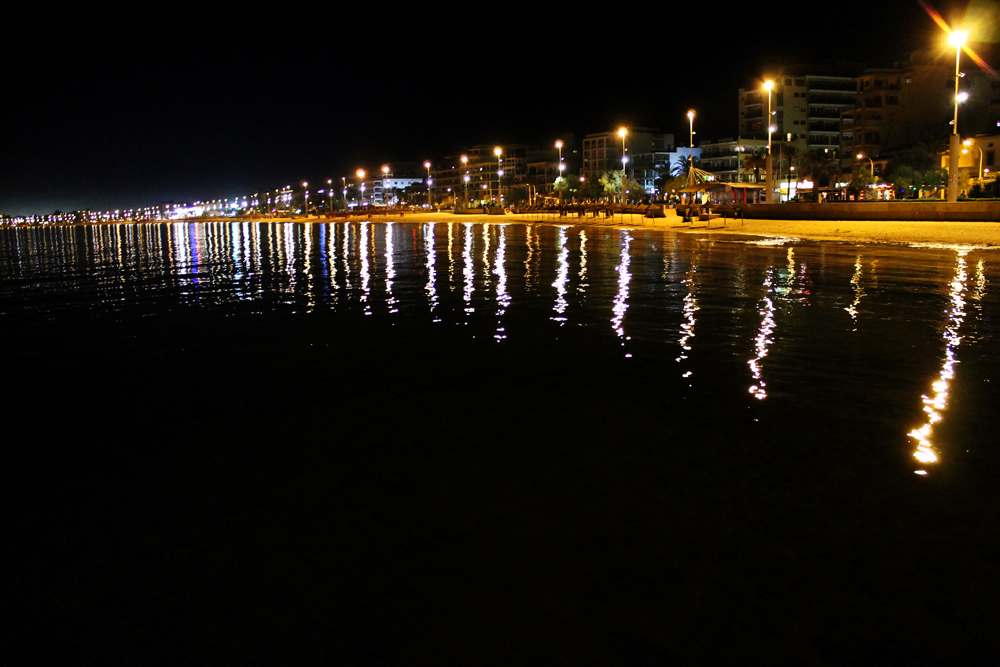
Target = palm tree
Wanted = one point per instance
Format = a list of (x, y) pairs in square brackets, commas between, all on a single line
[(755, 164), (683, 165)]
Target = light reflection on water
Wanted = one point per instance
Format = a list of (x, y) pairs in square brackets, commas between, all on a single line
[(620, 306), (776, 305), (935, 405)]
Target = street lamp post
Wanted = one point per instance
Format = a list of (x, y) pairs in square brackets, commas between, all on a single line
[(427, 166), (956, 39), (498, 152), (768, 86), (465, 168), (329, 194), (305, 208), (361, 177), (621, 133), (560, 166), (861, 156), (968, 143), (691, 150)]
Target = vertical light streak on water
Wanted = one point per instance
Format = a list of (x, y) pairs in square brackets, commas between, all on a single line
[(528, 241), (363, 254), (308, 230), (451, 255), (582, 285), (345, 248), (180, 260), (486, 257), (689, 309), (372, 253), (288, 248), (430, 256), (118, 254), (562, 278), (390, 270), (786, 281), (100, 257), (273, 251), (859, 292), (500, 270), (238, 257), (171, 256), (257, 243), (210, 241), (331, 258), (763, 339), (468, 269), (980, 290), (935, 405), (247, 236), (621, 299)]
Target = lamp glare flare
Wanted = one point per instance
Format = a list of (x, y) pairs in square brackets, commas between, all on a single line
[(958, 38)]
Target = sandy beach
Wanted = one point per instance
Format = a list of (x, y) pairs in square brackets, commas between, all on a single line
[(978, 234)]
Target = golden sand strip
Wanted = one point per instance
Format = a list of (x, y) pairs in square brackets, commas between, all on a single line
[(932, 233)]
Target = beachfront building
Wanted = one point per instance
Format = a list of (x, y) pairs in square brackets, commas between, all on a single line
[(977, 163), (387, 188), (481, 165), (646, 148), (806, 105), (912, 103), (734, 160)]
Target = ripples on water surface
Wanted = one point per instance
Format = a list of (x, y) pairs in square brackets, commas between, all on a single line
[(498, 443)]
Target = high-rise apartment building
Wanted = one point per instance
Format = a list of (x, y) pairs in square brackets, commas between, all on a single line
[(913, 103), (647, 150), (806, 104)]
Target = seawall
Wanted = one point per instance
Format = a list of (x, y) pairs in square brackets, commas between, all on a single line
[(888, 211)]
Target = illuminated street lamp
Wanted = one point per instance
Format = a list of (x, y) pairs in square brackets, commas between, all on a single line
[(427, 165), (968, 142), (691, 153), (862, 157), (498, 152), (465, 170), (621, 133), (385, 184), (361, 177), (329, 192), (306, 209), (769, 86), (956, 39)]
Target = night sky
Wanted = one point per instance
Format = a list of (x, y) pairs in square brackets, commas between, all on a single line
[(105, 110)]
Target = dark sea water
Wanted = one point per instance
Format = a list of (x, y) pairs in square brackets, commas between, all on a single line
[(454, 443)]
